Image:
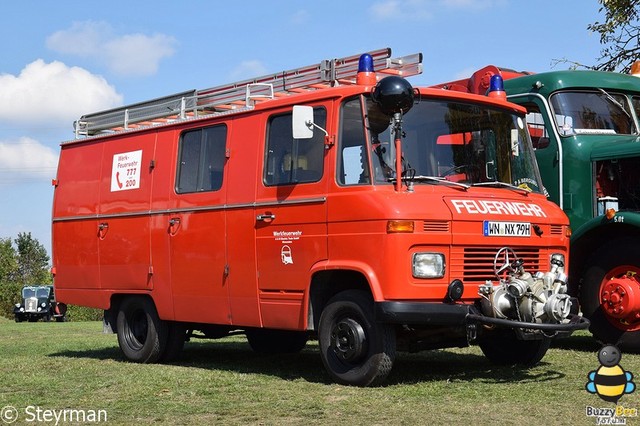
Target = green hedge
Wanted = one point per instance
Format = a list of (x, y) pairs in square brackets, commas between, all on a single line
[(82, 313)]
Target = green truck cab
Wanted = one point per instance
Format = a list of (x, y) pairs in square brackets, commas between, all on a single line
[(585, 128)]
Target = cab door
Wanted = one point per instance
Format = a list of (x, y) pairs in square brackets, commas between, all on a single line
[(290, 218)]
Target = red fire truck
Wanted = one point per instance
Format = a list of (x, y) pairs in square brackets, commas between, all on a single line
[(333, 201)]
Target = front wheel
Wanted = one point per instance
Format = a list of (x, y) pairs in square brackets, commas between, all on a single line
[(503, 348), (142, 335), (355, 349), (610, 294)]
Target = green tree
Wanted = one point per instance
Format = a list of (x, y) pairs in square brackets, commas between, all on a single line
[(23, 261), (619, 35), (8, 261), (33, 260)]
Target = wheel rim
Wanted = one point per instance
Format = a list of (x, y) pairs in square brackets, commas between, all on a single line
[(620, 297), (138, 328), (348, 340)]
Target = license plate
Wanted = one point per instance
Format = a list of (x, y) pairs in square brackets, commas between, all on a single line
[(506, 229)]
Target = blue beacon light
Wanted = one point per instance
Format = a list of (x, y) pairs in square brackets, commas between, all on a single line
[(496, 87), (365, 64), (366, 75)]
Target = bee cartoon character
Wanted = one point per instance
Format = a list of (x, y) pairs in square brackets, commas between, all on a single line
[(610, 381)]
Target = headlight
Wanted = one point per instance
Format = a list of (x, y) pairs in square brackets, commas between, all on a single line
[(21, 309), (428, 265), (557, 259), (17, 305), (43, 305)]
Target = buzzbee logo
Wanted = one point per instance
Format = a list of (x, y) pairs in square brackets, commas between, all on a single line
[(610, 381)]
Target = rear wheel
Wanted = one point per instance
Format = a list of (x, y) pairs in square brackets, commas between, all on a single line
[(276, 341), (355, 349), (503, 348), (610, 294), (142, 335)]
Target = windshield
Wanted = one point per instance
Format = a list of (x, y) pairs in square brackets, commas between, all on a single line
[(457, 142), (43, 292), (28, 292), (592, 112)]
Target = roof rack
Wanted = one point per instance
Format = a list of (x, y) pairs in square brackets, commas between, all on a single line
[(242, 94)]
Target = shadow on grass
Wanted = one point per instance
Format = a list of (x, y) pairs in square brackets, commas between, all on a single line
[(409, 368), (578, 343)]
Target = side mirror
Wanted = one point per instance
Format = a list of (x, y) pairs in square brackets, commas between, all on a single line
[(302, 122)]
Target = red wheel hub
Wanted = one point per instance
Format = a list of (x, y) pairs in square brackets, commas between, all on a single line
[(620, 297)]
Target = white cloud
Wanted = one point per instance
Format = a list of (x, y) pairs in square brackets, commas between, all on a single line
[(414, 10), (300, 17), (472, 4), (83, 38), (26, 159), (129, 54), (249, 69), (138, 54), (410, 10), (53, 93)]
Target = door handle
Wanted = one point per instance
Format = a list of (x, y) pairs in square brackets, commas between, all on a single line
[(103, 227), (267, 217), (174, 224)]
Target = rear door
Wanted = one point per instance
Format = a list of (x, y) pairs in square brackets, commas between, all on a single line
[(123, 229)]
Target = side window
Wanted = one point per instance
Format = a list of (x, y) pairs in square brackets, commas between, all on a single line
[(201, 160), (537, 129), (353, 161), (289, 161)]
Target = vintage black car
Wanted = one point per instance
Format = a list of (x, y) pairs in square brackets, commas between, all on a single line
[(39, 302)]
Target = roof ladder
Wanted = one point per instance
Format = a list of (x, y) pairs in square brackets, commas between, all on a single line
[(242, 94)]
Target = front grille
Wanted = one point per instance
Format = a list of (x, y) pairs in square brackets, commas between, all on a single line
[(31, 304), (475, 265), (556, 229), (435, 226)]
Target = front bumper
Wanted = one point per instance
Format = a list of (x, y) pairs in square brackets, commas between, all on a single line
[(444, 314)]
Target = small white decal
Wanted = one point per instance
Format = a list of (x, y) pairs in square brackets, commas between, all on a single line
[(125, 172), (285, 254)]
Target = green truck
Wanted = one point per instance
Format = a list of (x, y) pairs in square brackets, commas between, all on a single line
[(585, 128)]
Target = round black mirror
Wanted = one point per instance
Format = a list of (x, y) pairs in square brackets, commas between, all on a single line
[(394, 95)]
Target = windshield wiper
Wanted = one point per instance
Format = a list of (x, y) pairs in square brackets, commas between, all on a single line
[(503, 185), (437, 179), (614, 101)]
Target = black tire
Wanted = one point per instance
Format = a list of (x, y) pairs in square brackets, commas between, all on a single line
[(176, 337), (503, 348), (18, 319), (355, 349), (61, 319), (268, 341), (142, 335), (625, 251)]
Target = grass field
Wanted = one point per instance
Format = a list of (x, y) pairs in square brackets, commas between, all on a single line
[(58, 366)]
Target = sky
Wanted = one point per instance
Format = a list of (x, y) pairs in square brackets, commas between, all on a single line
[(60, 60)]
